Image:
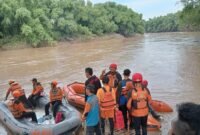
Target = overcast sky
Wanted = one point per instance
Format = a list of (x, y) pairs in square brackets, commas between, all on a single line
[(149, 8)]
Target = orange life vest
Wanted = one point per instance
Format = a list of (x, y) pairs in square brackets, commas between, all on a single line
[(112, 80), (56, 94), (139, 103), (15, 86), (108, 102), (15, 108), (37, 89)]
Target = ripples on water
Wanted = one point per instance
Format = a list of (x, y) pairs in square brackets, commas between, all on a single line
[(170, 61)]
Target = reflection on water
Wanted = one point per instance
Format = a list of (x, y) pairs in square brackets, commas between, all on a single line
[(170, 61)]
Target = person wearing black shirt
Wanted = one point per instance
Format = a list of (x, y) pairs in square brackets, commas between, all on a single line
[(121, 95), (91, 79)]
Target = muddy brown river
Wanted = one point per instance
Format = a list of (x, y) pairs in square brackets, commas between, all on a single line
[(170, 61)]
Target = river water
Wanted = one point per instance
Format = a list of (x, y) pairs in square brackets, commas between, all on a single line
[(170, 61)]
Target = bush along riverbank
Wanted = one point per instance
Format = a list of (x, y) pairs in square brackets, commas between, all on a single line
[(42, 22), (186, 20)]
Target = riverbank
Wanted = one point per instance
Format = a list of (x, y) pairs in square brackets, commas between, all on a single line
[(70, 41)]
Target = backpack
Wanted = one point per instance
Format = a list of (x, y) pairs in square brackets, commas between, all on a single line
[(122, 100), (108, 102), (123, 83), (119, 120)]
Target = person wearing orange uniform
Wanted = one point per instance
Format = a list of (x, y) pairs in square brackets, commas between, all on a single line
[(36, 92), (138, 105), (22, 97), (113, 75), (56, 95), (17, 108), (13, 86), (107, 102)]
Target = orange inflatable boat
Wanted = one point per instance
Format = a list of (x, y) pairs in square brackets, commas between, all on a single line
[(76, 96), (153, 124), (160, 106)]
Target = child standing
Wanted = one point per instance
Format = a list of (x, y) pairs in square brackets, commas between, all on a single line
[(91, 112)]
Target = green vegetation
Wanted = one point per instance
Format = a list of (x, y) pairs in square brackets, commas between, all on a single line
[(186, 20), (190, 16), (39, 22), (168, 23), (44, 21)]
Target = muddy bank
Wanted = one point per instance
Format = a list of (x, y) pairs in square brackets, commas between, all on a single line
[(69, 41)]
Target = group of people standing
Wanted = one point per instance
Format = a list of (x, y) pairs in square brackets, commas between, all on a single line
[(22, 107), (129, 95)]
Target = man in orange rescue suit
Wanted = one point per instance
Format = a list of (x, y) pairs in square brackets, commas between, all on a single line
[(36, 92), (16, 86), (113, 75), (56, 95), (138, 105), (17, 108), (107, 102)]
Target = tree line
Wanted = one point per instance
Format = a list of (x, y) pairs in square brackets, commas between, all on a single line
[(38, 22), (44, 21), (186, 20)]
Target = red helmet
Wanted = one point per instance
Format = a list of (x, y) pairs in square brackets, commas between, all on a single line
[(137, 77), (16, 94), (145, 83), (54, 82), (113, 65)]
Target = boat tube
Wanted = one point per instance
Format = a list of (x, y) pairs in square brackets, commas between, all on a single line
[(25, 127), (160, 106)]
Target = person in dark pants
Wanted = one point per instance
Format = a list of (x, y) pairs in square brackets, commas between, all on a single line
[(55, 105), (56, 95), (138, 105), (121, 95), (17, 108), (107, 102), (36, 92), (91, 79), (111, 122), (140, 122), (91, 112)]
